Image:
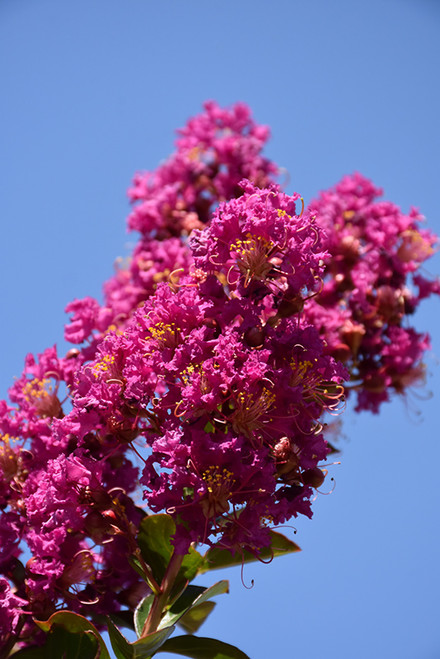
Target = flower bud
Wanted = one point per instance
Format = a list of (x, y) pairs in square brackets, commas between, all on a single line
[(313, 477), (254, 337)]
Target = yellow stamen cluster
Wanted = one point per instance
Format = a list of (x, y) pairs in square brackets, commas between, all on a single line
[(8, 457), (218, 482), (166, 334), (247, 416), (36, 390), (113, 328), (299, 371), (43, 395), (326, 393), (188, 372), (103, 366), (195, 153), (348, 215), (253, 256)]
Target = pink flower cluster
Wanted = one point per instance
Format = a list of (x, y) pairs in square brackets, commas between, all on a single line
[(204, 378), (371, 288)]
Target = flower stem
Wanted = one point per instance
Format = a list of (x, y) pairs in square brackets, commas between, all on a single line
[(161, 599)]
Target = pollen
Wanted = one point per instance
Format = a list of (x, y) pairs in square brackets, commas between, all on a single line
[(42, 394), (187, 372), (219, 485), (218, 480), (103, 366), (252, 256), (250, 410), (37, 389), (8, 457), (166, 334), (326, 393)]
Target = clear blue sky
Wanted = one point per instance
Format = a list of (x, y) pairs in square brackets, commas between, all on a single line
[(91, 91)]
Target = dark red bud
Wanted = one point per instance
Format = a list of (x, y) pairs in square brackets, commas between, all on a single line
[(254, 337), (290, 307), (72, 353), (313, 477)]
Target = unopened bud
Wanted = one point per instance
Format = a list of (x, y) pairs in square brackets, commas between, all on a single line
[(290, 307), (254, 337), (313, 477), (72, 353)]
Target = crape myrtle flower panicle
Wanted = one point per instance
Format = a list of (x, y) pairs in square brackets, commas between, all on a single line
[(236, 426), (371, 281), (214, 359), (250, 446), (232, 425)]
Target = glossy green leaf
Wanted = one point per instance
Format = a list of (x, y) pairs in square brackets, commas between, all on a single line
[(198, 647), (74, 624), (192, 596), (121, 647), (141, 613), (154, 539), (154, 542), (216, 558), (181, 605), (143, 648), (193, 619)]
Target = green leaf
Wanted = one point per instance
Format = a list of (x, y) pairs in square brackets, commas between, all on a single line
[(147, 646), (143, 648), (192, 596), (181, 605), (82, 645), (198, 647), (141, 613), (154, 539), (193, 619), (61, 643), (74, 625), (121, 647), (154, 536), (216, 558)]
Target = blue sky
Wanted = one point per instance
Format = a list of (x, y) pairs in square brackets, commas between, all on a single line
[(92, 92)]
